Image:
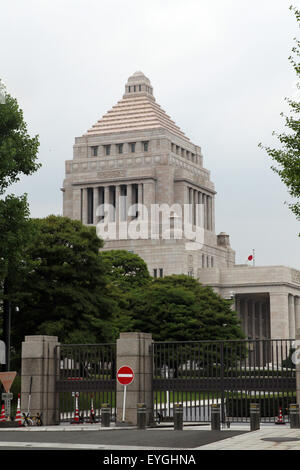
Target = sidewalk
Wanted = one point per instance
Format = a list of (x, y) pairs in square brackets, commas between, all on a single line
[(273, 437)]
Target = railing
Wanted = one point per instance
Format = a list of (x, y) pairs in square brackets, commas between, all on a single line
[(231, 373), (86, 372)]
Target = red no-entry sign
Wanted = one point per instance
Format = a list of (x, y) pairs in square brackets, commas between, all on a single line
[(125, 375)]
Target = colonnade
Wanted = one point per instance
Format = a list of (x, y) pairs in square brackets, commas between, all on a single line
[(121, 197), (203, 215), (254, 313)]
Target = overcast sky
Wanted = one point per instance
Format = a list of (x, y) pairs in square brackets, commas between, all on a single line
[(219, 68)]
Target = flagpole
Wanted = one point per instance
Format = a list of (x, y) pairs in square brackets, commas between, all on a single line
[(253, 251)]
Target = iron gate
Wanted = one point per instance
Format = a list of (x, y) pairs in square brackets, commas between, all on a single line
[(231, 373), (88, 371)]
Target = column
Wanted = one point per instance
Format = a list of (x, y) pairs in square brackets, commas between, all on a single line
[(195, 201), (84, 206), (208, 213), (200, 211), (107, 201), (246, 318), (140, 198), (95, 205), (260, 320), (149, 200), (129, 202), (279, 315), (204, 199), (213, 214), (191, 207), (297, 311), (291, 317), (117, 196), (134, 350), (122, 203), (38, 362), (77, 204)]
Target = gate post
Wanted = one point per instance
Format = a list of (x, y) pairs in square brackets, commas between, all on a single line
[(135, 350), (38, 362)]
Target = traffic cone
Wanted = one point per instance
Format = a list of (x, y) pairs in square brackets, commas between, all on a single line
[(280, 418), (92, 415), (18, 417), (2, 416), (76, 419)]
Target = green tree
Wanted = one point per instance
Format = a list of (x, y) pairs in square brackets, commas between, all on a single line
[(18, 157), (126, 272), (288, 156), (66, 293), (179, 308)]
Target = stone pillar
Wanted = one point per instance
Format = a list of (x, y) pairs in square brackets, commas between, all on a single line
[(246, 315), (279, 315), (140, 198), (195, 200), (77, 204), (208, 212), (204, 210), (38, 362), (200, 210), (213, 214), (95, 204), (107, 201), (129, 202), (149, 200), (135, 350), (118, 204), (297, 311), (291, 317), (84, 206)]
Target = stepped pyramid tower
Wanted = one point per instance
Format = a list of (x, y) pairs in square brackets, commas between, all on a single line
[(135, 158)]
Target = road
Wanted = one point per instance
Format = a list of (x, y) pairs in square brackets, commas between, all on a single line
[(114, 439)]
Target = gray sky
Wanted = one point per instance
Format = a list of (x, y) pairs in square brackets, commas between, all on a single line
[(219, 68)]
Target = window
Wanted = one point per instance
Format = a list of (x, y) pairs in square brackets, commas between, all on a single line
[(129, 89), (107, 149), (145, 146), (120, 148), (155, 273), (94, 151), (161, 272), (132, 147), (134, 88), (140, 87)]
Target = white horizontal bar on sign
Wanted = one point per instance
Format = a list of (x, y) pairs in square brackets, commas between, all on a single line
[(125, 375)]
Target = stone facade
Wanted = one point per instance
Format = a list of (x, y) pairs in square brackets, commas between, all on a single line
[(136, 158)]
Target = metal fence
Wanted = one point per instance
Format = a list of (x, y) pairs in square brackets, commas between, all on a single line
[(87, 372), (231, 373)]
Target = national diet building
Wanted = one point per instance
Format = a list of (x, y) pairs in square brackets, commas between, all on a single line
[(141, 181)]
